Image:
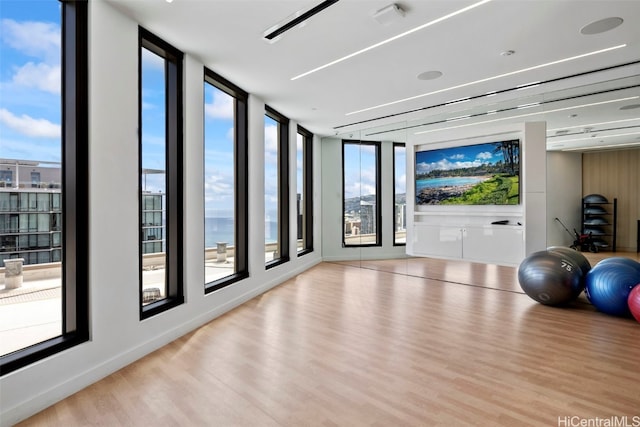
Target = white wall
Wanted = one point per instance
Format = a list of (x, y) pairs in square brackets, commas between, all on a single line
[(564, 196), (118, 337)]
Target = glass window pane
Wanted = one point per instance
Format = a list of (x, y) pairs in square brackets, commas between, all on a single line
[(219, 184), (361, 194), (43, 222), (271, 189), (300, 196), (153, 159), (399, 192)]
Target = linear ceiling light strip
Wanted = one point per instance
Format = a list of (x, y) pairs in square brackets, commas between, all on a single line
[(528, 115), (488, 94), (389, 40), (300, 19), (597, 147), (504, 110), (590, 138), (512, 73), (590, 125)]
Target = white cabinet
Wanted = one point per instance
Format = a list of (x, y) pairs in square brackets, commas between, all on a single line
[(499, 244), (437, 240)]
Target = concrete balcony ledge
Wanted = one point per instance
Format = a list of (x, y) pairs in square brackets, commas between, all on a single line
[(34, 272)]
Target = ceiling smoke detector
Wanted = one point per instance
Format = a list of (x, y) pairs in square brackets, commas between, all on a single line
[(389, 14)]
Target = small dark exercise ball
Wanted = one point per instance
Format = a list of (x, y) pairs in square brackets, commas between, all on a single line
[(550, 277)]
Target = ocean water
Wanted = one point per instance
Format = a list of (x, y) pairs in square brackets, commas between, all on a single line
[(447, 182), (221, 230)]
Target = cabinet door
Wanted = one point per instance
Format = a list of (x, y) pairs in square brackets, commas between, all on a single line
[(495, 244), (437, 240)]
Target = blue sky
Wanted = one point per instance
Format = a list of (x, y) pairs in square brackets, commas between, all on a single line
[(30, 80), (30, 115), (456, 157)]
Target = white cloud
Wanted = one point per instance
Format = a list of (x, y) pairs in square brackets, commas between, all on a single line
[(457, 157), (26, 125), (218, 187), (42, 76), (446, 165), (401, 184), (151, 60), (484, 155), (221, 107), (36, 39), (271, 144)]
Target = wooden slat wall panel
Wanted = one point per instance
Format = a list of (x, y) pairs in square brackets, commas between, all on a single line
[(616, 174)]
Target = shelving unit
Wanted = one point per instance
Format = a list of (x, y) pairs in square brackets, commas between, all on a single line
[(599, 218)]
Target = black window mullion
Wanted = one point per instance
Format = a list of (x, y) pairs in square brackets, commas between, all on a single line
[(378, 173), (283, 185), (307, 162), (173, 174), (75, 193), (241, 182)]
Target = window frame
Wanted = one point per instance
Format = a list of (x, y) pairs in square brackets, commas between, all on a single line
[(75, 192), (307, 188), (174, 173), (283, 186), (241, 182), (378, 211), (393, 223)]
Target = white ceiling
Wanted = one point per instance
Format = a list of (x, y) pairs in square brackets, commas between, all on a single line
[(227, 36)]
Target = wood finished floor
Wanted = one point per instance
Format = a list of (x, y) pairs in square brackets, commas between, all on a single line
[(414, 342)]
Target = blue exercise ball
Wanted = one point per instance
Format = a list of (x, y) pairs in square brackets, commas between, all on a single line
[(621, 260), (608, 285), (550, 277)]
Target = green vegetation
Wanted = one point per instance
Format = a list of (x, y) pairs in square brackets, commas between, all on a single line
[(502, 189)]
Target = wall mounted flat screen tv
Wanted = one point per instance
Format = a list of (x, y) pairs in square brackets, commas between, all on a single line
[(478, 174)]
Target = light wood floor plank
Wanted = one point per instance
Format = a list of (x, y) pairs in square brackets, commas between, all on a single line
[(404, 342)]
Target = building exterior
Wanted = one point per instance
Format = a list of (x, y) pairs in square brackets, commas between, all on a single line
[(153, 231), (30, 211)]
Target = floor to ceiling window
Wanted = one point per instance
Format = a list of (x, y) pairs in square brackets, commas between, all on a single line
[(160, 175), (44, 184), (276, 188), (304, 190), (361, 193), (225, 182), (399, 194)]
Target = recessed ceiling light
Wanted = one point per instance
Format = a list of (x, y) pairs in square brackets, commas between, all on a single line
[(396, 37), (430, 75), (630, 107), (535, 67), (601, 26)]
